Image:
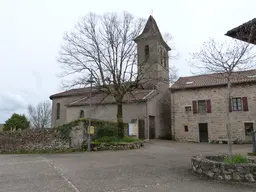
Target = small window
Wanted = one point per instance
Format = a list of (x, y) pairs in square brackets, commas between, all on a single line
[(188, 108), (186, 128), (58, 111), (161, 55), (146, 51), (248, 128), (237, 104), (202, 106), (165, 59), (81, 115)]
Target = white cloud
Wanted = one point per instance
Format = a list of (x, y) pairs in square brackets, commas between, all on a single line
[(11, 103)]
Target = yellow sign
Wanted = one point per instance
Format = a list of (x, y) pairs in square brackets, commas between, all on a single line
[(91, 130)]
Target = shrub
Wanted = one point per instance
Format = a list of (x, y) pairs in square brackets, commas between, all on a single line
[(106, 131), (16, 121), (236, 159)]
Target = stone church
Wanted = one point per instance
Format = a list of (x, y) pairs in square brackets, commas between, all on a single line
[(148, 106)]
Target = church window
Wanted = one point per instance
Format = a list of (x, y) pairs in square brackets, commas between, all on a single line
[(161, 55), (146, 51), (58, 111), (165, 59)]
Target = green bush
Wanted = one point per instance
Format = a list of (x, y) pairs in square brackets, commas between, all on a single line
[(16, 121), (98, 124), (106, 131), (236, 159)]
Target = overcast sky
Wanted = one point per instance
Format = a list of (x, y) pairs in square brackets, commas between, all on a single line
[(31, 32)]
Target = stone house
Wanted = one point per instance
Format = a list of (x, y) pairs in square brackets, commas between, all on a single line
[(199, 107), (145, 104)]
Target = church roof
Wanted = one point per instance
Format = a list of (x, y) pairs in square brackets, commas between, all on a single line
[(72, 92), (151, 30), (214, 80), (138, 95), (243, 31)]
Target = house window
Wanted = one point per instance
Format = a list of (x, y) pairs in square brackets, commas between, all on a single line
[(237, 104), (248, 128), (146, 51), (81, 115), (58, 111), (202, 106), (186, 128), (188, 108)]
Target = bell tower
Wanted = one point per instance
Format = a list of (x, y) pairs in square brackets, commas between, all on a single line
[(153, 62)]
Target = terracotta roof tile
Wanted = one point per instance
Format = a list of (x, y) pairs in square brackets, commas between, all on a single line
[(211, 80), (72, 92), (103, 98)]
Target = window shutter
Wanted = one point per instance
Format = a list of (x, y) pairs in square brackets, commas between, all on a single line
[(245, 103), (230, 105), (194, 104), (209, 106)]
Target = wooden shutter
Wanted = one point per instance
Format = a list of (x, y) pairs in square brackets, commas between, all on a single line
[(194, 104), (245, 103), (230, 105), (209, 106)]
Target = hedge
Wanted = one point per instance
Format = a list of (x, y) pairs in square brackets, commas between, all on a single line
[(66, 128)]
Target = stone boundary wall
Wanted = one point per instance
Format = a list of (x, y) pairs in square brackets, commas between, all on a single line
[(213, 168), (114, 146), (32, 140)]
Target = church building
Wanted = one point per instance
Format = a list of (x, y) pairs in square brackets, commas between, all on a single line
[(147, 105)]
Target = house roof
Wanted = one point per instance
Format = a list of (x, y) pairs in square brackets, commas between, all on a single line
[(212, 80), (138, 95), (151, 30), (243, 31), (73, 92)]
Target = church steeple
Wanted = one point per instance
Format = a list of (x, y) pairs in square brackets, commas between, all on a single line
[(152, 50), (151, 30)]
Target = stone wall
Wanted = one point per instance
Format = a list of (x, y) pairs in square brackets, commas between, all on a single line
[(113, 146), (216, 120), (32, 140), (213, 168)]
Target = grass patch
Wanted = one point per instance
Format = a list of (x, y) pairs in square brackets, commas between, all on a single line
[(115, 140), (236, 159)]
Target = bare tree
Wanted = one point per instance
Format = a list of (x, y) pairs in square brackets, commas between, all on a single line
[(173, 73), (40, 115), (225, 59), (104, 47)]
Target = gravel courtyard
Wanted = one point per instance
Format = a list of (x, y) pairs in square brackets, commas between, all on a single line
[(160, 166)]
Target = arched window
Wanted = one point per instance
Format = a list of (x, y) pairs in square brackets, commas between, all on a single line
[(165, 59), (81, 114)]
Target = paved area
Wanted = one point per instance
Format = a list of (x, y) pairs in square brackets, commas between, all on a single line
[(159, 167)]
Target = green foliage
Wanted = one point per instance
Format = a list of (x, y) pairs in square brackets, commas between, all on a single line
[(16, 122), (236, 159), (98, 124), (106, 131), (114, 139)]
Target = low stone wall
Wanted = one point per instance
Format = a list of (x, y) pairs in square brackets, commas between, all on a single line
[(213, 168), (114, 146), (32, 140)]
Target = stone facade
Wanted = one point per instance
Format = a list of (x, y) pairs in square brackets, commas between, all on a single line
[(185, 124), (212, 168)]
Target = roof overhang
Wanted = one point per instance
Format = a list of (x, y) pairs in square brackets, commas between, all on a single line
[(244, 31)]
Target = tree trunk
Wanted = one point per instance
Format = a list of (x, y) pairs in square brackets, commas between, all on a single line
[(228, 122), (120, 122)]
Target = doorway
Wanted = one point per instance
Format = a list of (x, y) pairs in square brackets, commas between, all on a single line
[(141, 129), (248, 129), (151, 127), (203, 132)]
